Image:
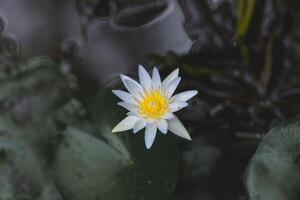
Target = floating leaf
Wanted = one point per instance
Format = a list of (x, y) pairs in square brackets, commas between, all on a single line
[(273, 172), (23, 172), (52, 150), (88, 168), (111, 166), (39, 88)]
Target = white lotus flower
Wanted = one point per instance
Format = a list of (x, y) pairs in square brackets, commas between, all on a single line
[(151, 105)]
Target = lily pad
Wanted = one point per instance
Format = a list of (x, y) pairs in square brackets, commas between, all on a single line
[(108, 166), (37, 89), (54, 147), (274, 171)]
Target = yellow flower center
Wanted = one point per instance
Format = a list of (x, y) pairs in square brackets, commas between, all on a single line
[(153, 104)]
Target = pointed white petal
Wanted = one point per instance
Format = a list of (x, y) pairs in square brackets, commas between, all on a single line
[(176, 127), (134, 113), (127, 78), (150, 134), (145, 78), (133, 87), (185, 96), (139, 125), (127, 106), (172, 87), (125, 96), (168, 115), (170, 78), (156, 81), (162, 126), (124, 77), (175, 106), (126, 124)]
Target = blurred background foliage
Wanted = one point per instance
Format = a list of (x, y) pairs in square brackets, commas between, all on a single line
[(59, 60)]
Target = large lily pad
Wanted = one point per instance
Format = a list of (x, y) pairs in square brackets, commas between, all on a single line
[(53, 148), (107, 166), (39, 88), (28, 101), (274, 170)]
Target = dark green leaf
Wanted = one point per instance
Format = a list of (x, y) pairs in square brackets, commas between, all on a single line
[(273, 172)]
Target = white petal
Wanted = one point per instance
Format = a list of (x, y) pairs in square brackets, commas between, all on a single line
[(139, 125), (127, 106), (126, 124), (162, 126), (176, 127), (149, 121), (172, 87), (175, 106), (135, 113), (184, 96), (133, 87), (145, 78), (156, 81), (168, 115), (170, 78), (124, 77), (125, 96), (150, 134)]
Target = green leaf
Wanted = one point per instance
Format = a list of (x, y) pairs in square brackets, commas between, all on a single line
[(274, 171), (23, 172), (88, 168), (245, 10), (57, 149), (39, 88), (172, 59), (109, 166)]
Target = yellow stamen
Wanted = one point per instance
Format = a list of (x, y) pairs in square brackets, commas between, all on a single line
[(153, 104)]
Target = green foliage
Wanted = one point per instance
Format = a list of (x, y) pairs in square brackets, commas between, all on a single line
[(54, 148), (149, 174), (172, 60), (245, 10), (273, 172)]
